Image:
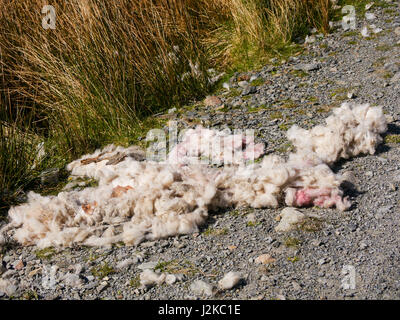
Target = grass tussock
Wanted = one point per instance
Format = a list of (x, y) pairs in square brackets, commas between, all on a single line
[(107, 66)]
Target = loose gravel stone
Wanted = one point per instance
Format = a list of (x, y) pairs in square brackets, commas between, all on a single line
[(201, 288), (264, 259), (289, 218)]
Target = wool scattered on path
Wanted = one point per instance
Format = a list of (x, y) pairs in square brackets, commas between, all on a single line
[(138, 199)]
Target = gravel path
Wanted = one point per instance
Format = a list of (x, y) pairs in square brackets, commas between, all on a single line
[(317, 260)]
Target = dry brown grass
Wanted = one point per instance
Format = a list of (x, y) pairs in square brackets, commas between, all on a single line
[(108, 64)]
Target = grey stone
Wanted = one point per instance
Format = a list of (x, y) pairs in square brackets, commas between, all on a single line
[(73, 280), (126, 263), (396, 77), (49, 176), (307, 67), (147, 265), (243, 84), (201, 288), (170, 279), (249, 90)]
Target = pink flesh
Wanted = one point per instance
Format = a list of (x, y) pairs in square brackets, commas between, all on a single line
[(324, 198)]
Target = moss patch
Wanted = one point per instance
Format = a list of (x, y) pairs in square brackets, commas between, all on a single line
[(392, 138), (102, 271), (310, 225), (292, 242), (276, 115), (383, 47), (299, 73), (293, 259), (216, 232), (135, 282), (257, 82), (46, 253)]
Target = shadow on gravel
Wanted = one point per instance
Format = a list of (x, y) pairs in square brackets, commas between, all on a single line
[(392, 129), (383, 147)]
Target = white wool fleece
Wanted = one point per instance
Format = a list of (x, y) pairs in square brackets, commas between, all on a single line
[(138, 199)]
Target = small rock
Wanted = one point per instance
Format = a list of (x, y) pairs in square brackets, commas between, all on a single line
[(170, 279), (269, 240), (18, 265), (249, 90), (179, 245), (254, 77), (376, 29), (290, 217), (307, 67), (201, 288), (49, 176), (9, 274), (90, 278), (243, 84), (102, 286), (310, 39), (212, 101), (296, 286), (384, 210), (368, 6), (369, 16), (91, 285), (180, 276), (351, 95), (353, 227), (389, 119), (73, 280), (264, 259), (397, 31), (349, 178), (251, 217), (172, 110), (391, 67), (396, 77), (126, 263), (34, 272), (8, 287), (364, 32), (226, 86), (263, 278), (147, 265), (77, 268), (363, 245)]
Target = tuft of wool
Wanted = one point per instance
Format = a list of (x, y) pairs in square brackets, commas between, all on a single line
[(138, 199), (230, 280), (351, 130), (148, 278), (214, 146)]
